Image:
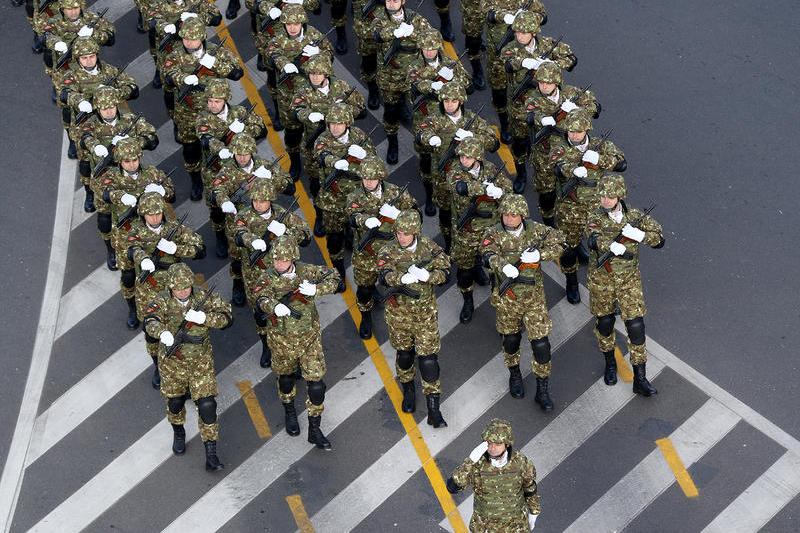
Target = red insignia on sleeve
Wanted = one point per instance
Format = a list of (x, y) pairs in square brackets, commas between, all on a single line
[(107, 181), (217, 182), (203, 128), (240, 222), (381, 262), (168, 63), (354, 206), (151, 308), (131, 239), (486, 242), (67, 81)]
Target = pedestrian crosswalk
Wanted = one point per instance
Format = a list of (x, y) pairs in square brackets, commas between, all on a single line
[(466, 403)]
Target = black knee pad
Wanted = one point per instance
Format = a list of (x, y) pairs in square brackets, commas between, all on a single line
[(338, 8), (316, 391), (425, 161), (292, 137), (216, 215), (176, 404), (286, 383), (473, 45), (369, 63), (441, 3), (192, 152), (519, 146), (272, 77), (635, 327), (364, 293), (547, 200), (151, 37), (499, 98), (511, 342), (463, 278), (104, 222), (128, 278), (605, 324), (569, 256), (335, 242), (236, 267), (405, 359), (85, 168), (445, 217), (429, 367), (169, 101), (391, 113), (314, 187), (541, 350), (207, 409)]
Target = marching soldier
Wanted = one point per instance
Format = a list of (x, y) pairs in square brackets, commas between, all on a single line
[(364, 14), (504, 481), (57, 33), (615, 233), (286, 293), (514, 249), (411, 266), (181, 319)]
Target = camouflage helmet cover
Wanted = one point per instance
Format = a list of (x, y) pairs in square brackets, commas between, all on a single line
[(527, 22), (285, 249), (150, 203), (84, 46), (319, 64), (294, 14), (430, 40), (372, 168), (408, 222), (339, 113), (180, 276), (106, 97), (243, 144), (127, 149), (218, 88), (262, 191), (498, 431), (193, 28), (514, 204), (452, 91), (470, 147), (70, 4), (612, 186), (549, 72), (578, 120)]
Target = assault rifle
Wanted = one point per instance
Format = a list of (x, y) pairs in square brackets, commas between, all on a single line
[(82, 116), (509, 34), (229, 134), (67, 56), (394, 48), (450, 153), (335, 173), (568, 189), (170, 38), (405, 290), (294, 295), (528, 81), (376, 233), (473, 210), (156, 255), (238, 197), (185, 326), (268, 236), (321, 126), (602, 261), (187, 89), (133, 211), (510, 282), (546, 131), (109, 158), (299, 61)]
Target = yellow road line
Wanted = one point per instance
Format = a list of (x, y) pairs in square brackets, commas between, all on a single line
[(675, 464), (624, 370), (450, 50), (295, 503), (371, 345), (254, 409)]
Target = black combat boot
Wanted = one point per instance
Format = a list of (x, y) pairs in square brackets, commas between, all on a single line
[(446, 26), (88, 201), (435, 418), (266, 353), (38, 43), (549, 221), (478, 80), (515, 385), (573, 294), (290, 417), (640, 384), (448, 242), (133, 321), (212, 461), (522, 177), (222, 244), (296, 166), (468, 309), (197, 186), (232, 10), (277, 125), (373, 96), (365, 328), (505, 133), (315, 435), (480, 276), (348, 238), (430, 208), (261, 63), (409, 397), (178, 439), (72, 150), (238, 297), (339, 266), (341, 40), (610, 372), (583, 254), (392, 152), (140, 23), (543, 394), (111, 256), (157, 80), (319, 225), (155, 381)]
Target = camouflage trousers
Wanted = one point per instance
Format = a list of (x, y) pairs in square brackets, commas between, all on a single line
[(413, 326), (518, 115), (464, 252), (365, 272), (519, 524), (527, 307), (292, 351), (145, 293), (571, 217), (119, 242), (191, 371), (335, 222), (606, 291), (545, 180), (472, 18)]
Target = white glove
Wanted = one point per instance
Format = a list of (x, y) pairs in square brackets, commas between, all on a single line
[(341, 164), (225, 154), (290, 68), (228, 207), (420, 273), (259, 244), (85, 106), (276, 228), (408, 278), (446, 73), (509, 18), (262, 172), (168, 247), (617, 248), (307, 288), (191, 79), (493, 191), (389, 211), (510, 271), (632, 233), (147, 265), (85, 31), (236, 126), (60, 47), (568, 105), (532, 520), (580, 172), (356, 151), (208, 60), (591, 157), (315, 117), (437, 86), (117, 138), (530, 257), (548, 121), (170, 28), (310, 51), (372, 222), (476, 454), (186, 15), (198, 317), (531, 63), (128, 199), (435, 141), (166, 338), (274, 13), (294, 2), (408, 29), (155, 187), (462, 134), (100, 150), (281, 310)]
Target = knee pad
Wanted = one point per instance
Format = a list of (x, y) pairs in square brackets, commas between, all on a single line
[(364, 293), (511, 342), (286, 383), (425, 163), (473, 45), (128, 278), (391, 113), (463, 278), (519, 147), (635, 327), (335, 242), (104, 222), (66, 118), (192, 152), (499, 98), (292, 137), (236, 267), (541, 350), (441, 4), (207, 409), (569, 256), (445, 217), (175, 405), (429, 368), (369, 63), (405, 359), (605, 325), (85, 169), (316, 392), (547, 201), (151, 37), (216, 215), (338, 9), (169, 101)]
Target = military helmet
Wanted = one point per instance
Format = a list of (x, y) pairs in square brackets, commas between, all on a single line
[(193, 28), (430, 40), (372, 168), (243, 143), (262, 191), (339, 113), (150, 203), (127, 148), (498, 431), (527, 22), (578, 120), (218, 88), (180, 276), (84, 46), (70, 4), (470, 147), (285, 249), (549, 72), (514, 204), (319, 64), (294, 14), (612, 186), (106, 97), (408, 222), (452, 91)]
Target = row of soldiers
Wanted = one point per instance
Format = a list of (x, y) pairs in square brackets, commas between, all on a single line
[(483, 218)]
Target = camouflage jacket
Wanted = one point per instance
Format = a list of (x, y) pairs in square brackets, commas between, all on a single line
[(214, 133), (180, 63), (476, 193), (232, 178), (568, 157), (161, 13), (250, 225), (384, 26), (261, 9), (309, 100), (394, 260), (96, 131), (142, 243), (282, 50), (338, 184), (513, 54), (58, 28), (496, 26), (110, 186), (601, 231), (362, 204), (79, 84), (440, 125), (421, 75), (541, 106)]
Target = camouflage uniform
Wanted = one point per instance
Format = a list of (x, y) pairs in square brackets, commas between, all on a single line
[(619, 282), (143, 243), (523, 304), (506, 496), (295, 335), (372, 214), (363, 24), (412, 319), (190, 369)]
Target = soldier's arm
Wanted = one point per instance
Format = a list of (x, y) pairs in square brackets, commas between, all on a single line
[(135, 252), (406, 201), (588, 101), (210, 14), (190, 244), (255, 126), (387, 272), (564, 56), (312, 6), (154, 323), (227, 65), (127, 86), (529, 489), (553, 245), (146, 132), (612, 157), (384, 31), (421, 25), (298, 229), (104, 32), (653, 233), (218, 312), (594, 234), (327, 285), (355, 100), (219, 190), (490, 141), (462, 477), (490, 251), (439, 267)]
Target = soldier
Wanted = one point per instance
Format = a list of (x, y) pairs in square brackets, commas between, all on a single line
[(396, 32), (255, 228), (476, 186), (58, 32), (184, 68), (154, 244), (504, 481), (286, 293), (514, 249), (372, 210), (181, 320), (579, 161), (412, 265), (618, 231), (339, 151), (364, 13)]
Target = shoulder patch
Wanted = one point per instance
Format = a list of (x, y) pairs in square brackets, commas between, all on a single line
[(132, 238), (486, 242), (381, 262), (354, 206), (151, 308), (203, 128), (217, 181), (107, 181), (240, 223)]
